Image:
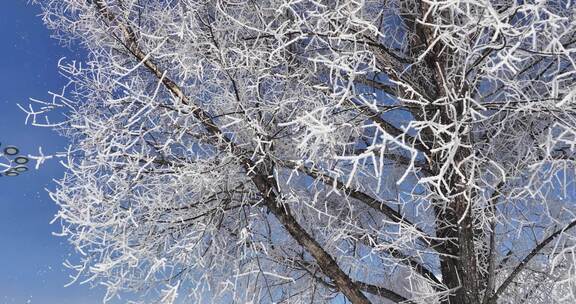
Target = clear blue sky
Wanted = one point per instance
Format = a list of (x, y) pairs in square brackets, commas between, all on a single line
[(31, 258)]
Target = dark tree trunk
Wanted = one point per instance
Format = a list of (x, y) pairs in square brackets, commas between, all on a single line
[(460, 272), (455, 224)]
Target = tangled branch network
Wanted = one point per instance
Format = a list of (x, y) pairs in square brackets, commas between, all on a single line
[(299, 151)]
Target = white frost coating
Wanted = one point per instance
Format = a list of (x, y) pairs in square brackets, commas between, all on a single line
[(428, 147)]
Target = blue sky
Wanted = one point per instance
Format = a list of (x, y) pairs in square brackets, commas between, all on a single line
[(31, 258)]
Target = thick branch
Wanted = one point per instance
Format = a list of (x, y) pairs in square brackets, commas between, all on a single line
[(328, 265)]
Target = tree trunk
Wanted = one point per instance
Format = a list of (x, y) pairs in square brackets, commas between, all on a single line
[(455, 223)]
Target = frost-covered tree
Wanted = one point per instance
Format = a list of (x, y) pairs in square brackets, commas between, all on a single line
[(301, 151)]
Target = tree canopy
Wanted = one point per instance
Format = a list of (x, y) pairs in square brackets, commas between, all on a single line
[(301, 151)]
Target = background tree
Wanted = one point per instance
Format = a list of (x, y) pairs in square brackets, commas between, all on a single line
[(314, 151)]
